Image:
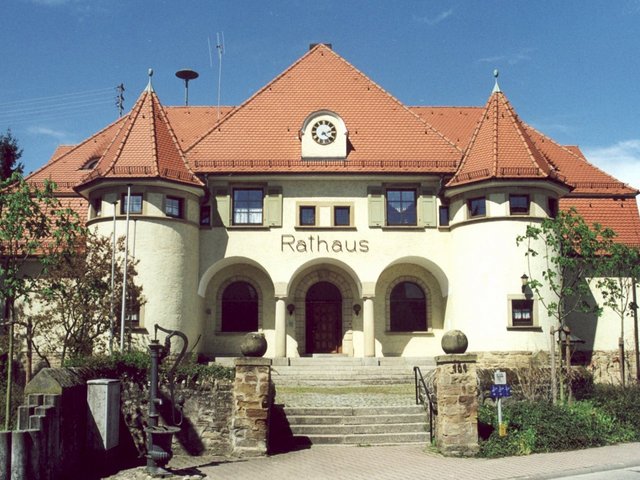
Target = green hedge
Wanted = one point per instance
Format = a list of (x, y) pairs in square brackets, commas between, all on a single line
[(537, 427), (134, 367)]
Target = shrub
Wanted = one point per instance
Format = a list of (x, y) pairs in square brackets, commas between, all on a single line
[(542, 427), (134, 367), (622, 403)]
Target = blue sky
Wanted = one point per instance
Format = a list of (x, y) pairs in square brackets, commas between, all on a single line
[(570, 68)]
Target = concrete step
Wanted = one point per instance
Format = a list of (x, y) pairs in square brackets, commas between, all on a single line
[(366, 429), (380, 425), (342, 412), (365, 440), (355, 420)]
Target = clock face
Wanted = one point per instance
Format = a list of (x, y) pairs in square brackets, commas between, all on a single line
[(323, 132)]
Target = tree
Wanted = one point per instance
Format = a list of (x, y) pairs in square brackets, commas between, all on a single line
[(75, 300), (569, 249), (621, 267), (35, 231), (10, 153)]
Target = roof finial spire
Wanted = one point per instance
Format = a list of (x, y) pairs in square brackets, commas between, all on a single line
[(149, 86), (496, 87)]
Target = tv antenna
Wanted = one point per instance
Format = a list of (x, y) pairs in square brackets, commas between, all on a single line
[(186, 75), (220, 48), (120, 99)]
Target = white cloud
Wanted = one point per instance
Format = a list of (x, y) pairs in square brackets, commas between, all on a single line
[(434, 20), (52, 3), (509, 58), (622, 160), (59, 135)]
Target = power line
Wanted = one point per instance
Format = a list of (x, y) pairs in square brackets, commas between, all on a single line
[(57, 97)]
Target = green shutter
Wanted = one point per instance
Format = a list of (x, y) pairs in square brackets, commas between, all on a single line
[(221, 214), (273, 207), (427, 209), (376, 207)]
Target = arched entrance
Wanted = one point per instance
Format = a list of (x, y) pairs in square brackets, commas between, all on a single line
[(323, 307)]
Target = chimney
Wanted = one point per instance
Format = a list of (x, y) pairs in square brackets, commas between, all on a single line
[(328, 45)]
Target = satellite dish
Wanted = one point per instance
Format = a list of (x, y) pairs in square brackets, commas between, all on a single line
[(186, 75)]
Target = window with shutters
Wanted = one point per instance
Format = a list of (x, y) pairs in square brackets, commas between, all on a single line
[(248, 206), (401, 207)]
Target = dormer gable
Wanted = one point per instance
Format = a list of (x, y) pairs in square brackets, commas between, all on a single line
[(323, 135)]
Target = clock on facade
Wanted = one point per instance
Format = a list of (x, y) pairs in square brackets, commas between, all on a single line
[(323, 132)]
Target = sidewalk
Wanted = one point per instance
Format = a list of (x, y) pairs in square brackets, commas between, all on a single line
[(397, 462)]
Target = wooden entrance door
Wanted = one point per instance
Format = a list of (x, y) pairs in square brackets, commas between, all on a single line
[(324, 318)]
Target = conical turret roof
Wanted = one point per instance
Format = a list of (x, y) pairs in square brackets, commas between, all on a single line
[(145, 147), (501, 148)]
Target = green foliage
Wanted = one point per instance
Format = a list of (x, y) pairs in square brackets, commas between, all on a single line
[(538, 427), (134, 366), (195, 373), (570, 251), (622, 403), (130, 366), (76, 298), (10, 153)]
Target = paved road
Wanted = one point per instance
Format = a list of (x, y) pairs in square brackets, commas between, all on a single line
[(632, 473), (404, 462)]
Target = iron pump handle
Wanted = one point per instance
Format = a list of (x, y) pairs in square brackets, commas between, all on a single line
[(172, 370)]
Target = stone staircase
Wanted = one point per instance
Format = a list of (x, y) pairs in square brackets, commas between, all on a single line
[(339, 400)]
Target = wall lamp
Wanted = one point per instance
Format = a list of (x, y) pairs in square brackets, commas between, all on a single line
[(291, 308), (525, 282), (356, 309)]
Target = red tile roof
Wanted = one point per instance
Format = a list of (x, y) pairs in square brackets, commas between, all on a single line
[(618, 214), (384, 134), (144, 147), (261, 136)]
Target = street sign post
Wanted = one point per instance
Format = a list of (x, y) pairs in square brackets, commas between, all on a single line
[(500, 390)]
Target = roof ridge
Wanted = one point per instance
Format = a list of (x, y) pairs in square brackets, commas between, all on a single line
[(396, 100), (472, 141), (532, 149), (174, 139), (155, 157), (129, 126)]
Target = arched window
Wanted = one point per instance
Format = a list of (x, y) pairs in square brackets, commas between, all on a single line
[(239, 308), (408, 308)]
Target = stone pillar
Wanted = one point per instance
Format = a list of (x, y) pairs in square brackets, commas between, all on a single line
[(281, 328), (368, 327), (251, 406), (103, 399), (457, 419)]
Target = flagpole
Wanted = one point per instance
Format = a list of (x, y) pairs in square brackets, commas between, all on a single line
[(124, 275)]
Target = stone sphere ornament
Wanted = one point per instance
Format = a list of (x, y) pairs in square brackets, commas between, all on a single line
[(454, 341), (253, 345)]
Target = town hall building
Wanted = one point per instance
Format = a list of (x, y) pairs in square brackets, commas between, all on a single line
[(334, 219)]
